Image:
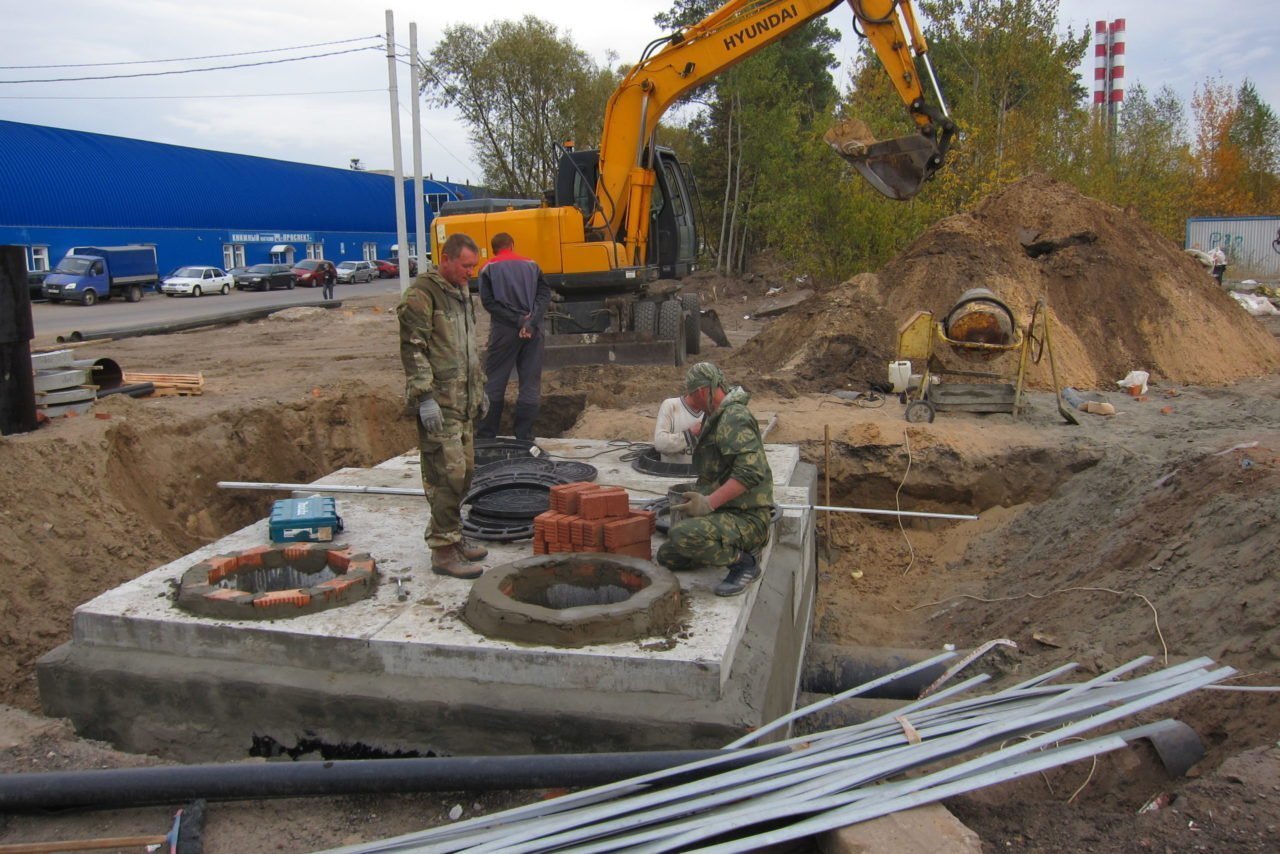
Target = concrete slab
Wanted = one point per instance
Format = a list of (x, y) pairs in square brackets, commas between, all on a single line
[(423, 655)]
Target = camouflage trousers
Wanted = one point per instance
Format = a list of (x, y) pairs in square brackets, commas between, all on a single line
[(714, 540), (448, 461)]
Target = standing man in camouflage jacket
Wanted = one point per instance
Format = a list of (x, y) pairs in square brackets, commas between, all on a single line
[(729, 513), (444, 388)]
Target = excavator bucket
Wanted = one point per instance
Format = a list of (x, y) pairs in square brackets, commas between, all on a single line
[(895, 167)]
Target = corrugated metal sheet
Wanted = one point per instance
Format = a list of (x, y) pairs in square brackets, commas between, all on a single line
[(1252, 243), (55, 177)]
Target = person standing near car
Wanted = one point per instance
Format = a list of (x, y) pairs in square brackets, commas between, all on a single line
[(330, 275), (514, 292), (445, 390)]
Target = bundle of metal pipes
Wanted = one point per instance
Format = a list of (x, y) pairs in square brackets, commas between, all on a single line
[(835, 778)]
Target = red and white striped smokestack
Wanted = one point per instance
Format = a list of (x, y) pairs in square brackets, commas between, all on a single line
[(1117, 61), (1100, 62)]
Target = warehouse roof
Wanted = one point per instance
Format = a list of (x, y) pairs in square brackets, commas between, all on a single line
[(55, 177)]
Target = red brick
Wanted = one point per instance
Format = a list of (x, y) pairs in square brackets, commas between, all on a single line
[(298, 598), (564, 496), (624, 532), (641, 550), (603, 503), (619, 503), (563, 533), (592, 535), (650, 517), (539, 547), (339, 558)]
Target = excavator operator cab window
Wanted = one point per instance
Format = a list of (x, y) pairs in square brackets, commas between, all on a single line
[(657, 201)]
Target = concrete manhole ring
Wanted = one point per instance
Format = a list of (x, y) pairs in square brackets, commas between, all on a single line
[(274, 582), (572, 600)]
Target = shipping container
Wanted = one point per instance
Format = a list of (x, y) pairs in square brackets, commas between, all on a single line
[(1251, 243)]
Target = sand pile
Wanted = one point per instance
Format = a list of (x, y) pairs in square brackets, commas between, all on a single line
[(1120, 298)]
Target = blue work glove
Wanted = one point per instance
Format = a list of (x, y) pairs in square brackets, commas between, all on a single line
[(694, 504), (430, 415)]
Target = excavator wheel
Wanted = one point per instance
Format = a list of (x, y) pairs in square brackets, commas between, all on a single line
[(644, 315), (692, 324), (671, 326)]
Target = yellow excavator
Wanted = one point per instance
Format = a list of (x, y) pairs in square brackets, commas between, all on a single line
[(619, 228)]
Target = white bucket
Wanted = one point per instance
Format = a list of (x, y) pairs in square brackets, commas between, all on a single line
[(899, 376)]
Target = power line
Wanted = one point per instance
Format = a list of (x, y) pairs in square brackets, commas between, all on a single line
[(193, 70), (191, 58), (178, 97)]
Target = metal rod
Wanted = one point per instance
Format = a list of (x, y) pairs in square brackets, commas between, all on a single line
[(872, 512), (388, 490), (320, 487)]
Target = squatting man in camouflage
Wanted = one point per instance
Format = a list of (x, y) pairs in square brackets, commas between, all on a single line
[(444, 389), (728, 515)]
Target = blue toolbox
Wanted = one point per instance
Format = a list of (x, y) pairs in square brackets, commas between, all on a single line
[(305, 520)]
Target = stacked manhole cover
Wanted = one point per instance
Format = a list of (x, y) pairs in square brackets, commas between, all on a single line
[(508, 492)]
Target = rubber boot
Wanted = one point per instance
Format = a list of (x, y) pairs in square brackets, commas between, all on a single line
[(449, 561), (526, 414), (488, 426)]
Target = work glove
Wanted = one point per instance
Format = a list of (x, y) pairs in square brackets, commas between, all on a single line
[(484, 404), (694, 504), (430, 415)]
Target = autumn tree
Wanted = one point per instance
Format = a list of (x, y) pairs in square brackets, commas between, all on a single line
[(520, 87)]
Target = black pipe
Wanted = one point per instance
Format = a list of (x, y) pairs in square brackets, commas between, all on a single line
[(132, 390), (194, 323), (832, 669), (131, 787)]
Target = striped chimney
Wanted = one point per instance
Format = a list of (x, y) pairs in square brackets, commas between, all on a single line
[(1117, 61), (1100, 63)]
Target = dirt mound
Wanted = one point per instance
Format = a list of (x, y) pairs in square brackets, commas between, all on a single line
[(1120, 298)]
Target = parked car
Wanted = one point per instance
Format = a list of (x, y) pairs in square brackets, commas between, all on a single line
[(387, 269), (352, 272), (266, 277), (197, 281), (35, 283), (314, 272)]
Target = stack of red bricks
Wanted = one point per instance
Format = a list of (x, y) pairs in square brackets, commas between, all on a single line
[(585, 517)]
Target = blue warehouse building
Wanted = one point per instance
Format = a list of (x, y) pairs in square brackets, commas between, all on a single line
[(62, 188)]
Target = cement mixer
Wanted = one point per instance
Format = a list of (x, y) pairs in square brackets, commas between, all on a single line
[(981, 328)]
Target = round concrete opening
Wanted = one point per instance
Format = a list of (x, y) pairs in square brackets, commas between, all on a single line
[(574, 600), (270, 582)]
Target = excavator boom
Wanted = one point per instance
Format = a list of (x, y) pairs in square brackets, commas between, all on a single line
[(734, 31)]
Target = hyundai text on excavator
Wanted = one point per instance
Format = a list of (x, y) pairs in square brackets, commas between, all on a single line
[(618, 230)]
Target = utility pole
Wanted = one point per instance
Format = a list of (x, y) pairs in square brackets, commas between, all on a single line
[(397, 165), (419, 207)]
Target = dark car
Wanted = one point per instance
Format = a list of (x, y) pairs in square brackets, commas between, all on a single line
[(314, 272), (35, 283), (265, 277)]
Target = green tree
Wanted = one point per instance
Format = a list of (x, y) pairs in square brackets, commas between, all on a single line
[(520, 87), (751, 120), (1255, 131)]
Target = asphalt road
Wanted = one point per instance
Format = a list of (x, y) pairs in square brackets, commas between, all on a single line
[(64, 318)]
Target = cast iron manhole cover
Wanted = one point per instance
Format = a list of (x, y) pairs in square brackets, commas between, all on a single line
[(651, 463), (491, 450), (574, 472), (574, 600), (514, 465), (513, 503)]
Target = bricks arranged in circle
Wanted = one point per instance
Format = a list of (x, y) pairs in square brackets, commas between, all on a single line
[(274, 582)]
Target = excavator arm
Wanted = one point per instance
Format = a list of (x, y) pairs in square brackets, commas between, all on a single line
[(734, 31)]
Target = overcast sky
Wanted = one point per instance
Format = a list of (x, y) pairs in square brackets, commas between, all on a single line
[(278, 110)]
